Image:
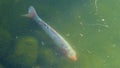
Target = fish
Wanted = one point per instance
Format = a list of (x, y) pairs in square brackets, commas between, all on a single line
[(59, 41)]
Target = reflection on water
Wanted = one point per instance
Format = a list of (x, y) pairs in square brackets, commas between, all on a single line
[(90, 26)]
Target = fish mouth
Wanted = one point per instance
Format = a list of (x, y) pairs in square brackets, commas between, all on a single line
[(74, 58)]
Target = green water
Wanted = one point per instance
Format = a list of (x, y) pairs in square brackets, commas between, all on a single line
[(90, 26)]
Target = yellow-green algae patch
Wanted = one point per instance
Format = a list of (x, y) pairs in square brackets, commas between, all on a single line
[(25, 51), (47, 57), (1, 66)]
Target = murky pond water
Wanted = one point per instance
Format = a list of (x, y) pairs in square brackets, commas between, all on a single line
[(90, 26)]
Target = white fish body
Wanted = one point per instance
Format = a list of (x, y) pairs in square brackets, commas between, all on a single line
[(55, 36)]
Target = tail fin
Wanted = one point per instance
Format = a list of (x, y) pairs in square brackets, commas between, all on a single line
[(31, 12)]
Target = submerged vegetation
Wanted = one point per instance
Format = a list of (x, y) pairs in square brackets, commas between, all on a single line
[(25, 52)]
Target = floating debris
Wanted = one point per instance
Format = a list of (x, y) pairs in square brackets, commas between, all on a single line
[(96, 5), (102, 19), (114, 45), (104, 25), (89, 51), (81, 35), (67, 35), (79, 16), (99, 30), (81, 23), (42, 43), (16, 37), (108, 56)]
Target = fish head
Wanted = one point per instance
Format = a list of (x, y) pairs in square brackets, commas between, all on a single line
[(72, 56)]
